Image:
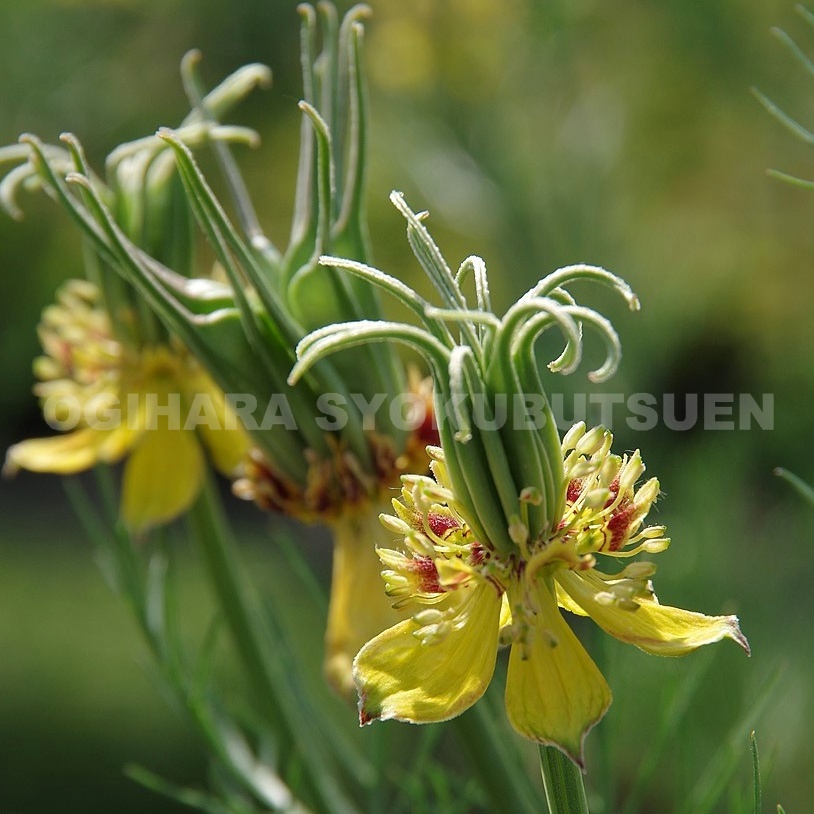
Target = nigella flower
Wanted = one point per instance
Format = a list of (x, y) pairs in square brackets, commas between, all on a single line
[(515, 522), (126, 401), (111, 373), (467, 599)]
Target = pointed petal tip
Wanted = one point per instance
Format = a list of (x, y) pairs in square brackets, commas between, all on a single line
[(736, 634), (366, 716), (365, 719), (576, 752), (577, 757), (138, 527), (10, 468)]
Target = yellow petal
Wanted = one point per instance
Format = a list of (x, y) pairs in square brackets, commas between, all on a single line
[(116, 443), (505, 612), (401, 675), (62, 454), (162, 477), (658, 629), (226, 447), (565, 601), (359, 608), (554, 691), (225, 439)]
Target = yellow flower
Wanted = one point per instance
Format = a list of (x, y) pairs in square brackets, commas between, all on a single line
[(467, 599), (155, 404), (358, 609)]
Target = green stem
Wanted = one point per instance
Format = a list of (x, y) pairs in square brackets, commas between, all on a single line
[(256, 647), (210, 532), (562, 778)]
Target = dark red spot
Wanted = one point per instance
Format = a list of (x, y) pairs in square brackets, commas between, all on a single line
[(428, 581), (574, 490), (478, 554), (619, 525), (441, 524), (365, 717), (614, 492)]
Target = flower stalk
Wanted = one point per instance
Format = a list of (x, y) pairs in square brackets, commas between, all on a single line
[(562, 780), (258, 653)]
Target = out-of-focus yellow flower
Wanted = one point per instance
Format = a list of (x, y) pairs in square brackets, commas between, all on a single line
[(467, 599), (348, 500), (154, 404)]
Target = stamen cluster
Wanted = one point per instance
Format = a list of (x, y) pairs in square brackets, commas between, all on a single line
[(82, 359)]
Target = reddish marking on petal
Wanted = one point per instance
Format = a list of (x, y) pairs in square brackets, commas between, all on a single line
[(619, 524), (441, 524), (574, 490), (428, 579), (614, 492), (478, 553), (366, 717)]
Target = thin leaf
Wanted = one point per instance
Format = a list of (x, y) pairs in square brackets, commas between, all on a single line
[(298, 564), (526, 320), (800, 486), (790, 179), (477, 266), (302, 223), (790, 124), (351, 213), (606, 331), (794, 48), (480, 318), (219, 229)]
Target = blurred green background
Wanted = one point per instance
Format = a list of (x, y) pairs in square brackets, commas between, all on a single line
[(538, 134)]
